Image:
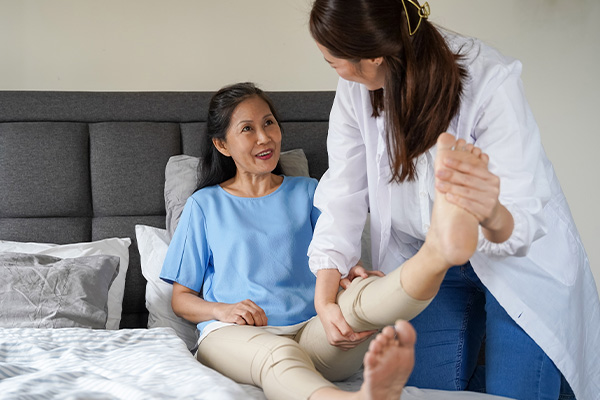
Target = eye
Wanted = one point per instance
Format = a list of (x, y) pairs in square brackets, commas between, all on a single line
[(269, 122), (246, 128)]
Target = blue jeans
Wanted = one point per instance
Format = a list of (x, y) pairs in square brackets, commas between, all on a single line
[(450, 332)]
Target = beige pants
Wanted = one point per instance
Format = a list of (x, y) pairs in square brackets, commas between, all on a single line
[(295, 367)]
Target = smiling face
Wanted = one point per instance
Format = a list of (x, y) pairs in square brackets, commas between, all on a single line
[(253, 139), (369, 72)]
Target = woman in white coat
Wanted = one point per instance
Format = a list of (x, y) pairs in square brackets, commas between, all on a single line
[(528, 289)]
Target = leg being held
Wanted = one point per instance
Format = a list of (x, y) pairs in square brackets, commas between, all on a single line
[(451, 239), (388, 364)]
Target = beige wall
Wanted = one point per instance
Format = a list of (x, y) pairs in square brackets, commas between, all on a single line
[(203, 45)]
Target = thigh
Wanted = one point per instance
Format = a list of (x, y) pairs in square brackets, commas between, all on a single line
[(449, 333), (515, 365), (251, 355), (233, 350), (335, 364)]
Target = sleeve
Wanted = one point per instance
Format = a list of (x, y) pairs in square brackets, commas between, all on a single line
[(507, 132), (188, 255), (342, 193), (315, 213)]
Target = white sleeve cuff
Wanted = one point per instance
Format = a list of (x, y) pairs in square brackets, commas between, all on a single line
[(516, 245)]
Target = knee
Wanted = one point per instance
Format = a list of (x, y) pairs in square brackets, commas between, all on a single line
[(283, 356)]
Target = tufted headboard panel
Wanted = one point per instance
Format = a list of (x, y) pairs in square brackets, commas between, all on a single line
[(82, 166)]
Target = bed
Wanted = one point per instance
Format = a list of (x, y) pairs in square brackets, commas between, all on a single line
[(90, 183)]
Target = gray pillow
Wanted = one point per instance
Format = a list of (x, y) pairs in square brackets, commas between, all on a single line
[(40, 291), (181, 180)]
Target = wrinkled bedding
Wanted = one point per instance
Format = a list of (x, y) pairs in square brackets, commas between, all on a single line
[(80, 363)]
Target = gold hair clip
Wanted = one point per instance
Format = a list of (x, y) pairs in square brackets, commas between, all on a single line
[(423, 13)]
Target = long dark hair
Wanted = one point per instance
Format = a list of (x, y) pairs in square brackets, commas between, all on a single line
[(423, 82), (214, 167)]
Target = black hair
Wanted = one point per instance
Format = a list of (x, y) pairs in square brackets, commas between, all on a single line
[(423, 83), (215, 168)]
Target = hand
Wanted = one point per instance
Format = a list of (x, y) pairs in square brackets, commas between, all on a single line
[(358, 271), (469, 184), (338, 331), (243, 313)]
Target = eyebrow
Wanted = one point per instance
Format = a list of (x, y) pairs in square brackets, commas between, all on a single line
[(246, 121)]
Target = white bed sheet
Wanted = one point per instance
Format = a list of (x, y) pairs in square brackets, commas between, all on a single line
[(78, 363)]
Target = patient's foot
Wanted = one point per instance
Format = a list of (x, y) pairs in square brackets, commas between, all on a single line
[(389, 362), (454, 232)]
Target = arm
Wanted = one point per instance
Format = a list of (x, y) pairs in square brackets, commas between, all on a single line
[(505, 130), (342, 198), (188, 305), (467, 183), (337, 329)]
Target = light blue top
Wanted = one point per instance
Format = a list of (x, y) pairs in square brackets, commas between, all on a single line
[(233, 248)]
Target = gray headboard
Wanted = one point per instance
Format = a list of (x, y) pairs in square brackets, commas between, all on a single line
[(83, 166)]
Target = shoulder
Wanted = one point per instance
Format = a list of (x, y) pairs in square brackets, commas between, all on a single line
[(297, 185), (204, 197), (486, 66)]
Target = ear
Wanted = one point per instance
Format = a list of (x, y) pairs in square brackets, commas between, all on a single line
[(377, 61), (221, 146)]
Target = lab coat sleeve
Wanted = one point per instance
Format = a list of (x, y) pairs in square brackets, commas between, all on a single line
[(342, 194), (506, 130)]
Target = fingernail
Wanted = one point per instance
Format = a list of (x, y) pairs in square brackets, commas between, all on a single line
[(443, 173)]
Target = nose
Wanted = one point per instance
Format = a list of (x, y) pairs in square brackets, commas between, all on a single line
[(262, 136)]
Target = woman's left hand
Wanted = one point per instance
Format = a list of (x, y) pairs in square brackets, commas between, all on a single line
[(468, 183), (358, 271)]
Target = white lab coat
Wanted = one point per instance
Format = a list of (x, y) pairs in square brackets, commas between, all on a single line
[(540, 275)]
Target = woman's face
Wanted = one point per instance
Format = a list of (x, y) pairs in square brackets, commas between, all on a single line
[(370, 72), (253, 138)]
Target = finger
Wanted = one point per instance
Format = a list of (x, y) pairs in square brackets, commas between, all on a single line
[(247, 316), (360, 337), (376, 273), (470, 165), (476, 209), (476, 151), (362, 272), (345, 283)]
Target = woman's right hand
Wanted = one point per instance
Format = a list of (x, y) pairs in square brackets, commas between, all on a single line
[(338, 332), (243, 313)]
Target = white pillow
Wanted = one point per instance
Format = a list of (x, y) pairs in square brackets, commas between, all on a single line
[(153, 244), (110, 247)]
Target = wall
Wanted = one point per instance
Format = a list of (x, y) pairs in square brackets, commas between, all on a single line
[(203, 45)]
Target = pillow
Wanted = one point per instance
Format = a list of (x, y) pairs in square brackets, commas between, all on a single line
[(153, 244), (40, 291), (111, 247), (181, 180)]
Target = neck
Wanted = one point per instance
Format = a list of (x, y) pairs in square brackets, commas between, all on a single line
[(248, 185)]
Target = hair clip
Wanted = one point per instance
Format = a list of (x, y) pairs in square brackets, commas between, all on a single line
[(423, 13)]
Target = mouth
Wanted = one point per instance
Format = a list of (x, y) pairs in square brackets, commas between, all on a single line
[(265, 155)]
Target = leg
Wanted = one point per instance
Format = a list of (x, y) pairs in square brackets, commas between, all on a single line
[(375, 302), (515, 365), (450, 332), (250, 355), (451, 239), (387, 365)]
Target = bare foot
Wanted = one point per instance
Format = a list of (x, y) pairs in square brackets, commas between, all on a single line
[(454, 232), (389, 362)]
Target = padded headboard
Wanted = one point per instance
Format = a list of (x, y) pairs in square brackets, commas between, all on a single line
[(83, 166)]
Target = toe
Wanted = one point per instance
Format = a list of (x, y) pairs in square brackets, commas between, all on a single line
[(446, 141)]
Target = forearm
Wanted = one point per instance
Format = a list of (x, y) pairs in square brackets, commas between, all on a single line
[(499, 229), (193, 308), (327, 287)]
